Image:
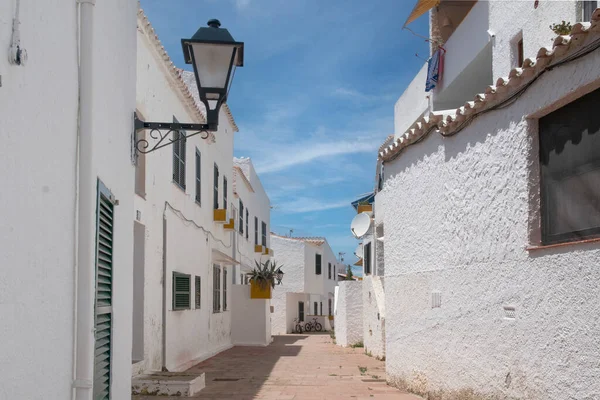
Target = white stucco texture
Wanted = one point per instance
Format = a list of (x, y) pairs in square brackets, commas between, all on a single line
[(373, 315), (39, 111), (468, 209), (250, 318), (349, 314)]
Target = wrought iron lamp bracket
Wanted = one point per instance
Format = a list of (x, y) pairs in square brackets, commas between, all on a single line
[(160, 133)]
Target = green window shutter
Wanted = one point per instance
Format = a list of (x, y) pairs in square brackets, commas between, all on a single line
[(198, 177), (181, 291), (198, 292), (103, 298)]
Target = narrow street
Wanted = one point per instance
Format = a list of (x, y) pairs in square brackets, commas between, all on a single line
[(299, 367)]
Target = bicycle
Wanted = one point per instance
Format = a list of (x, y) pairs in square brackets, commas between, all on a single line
[(298, 327), (308, 326)]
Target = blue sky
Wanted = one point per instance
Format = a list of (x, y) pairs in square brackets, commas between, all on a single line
[(315, 98)]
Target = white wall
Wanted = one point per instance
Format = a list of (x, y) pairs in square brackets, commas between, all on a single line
[(160, 96), (257, 203), (412, 104), (349, 314), (373, 315), (250, 318), (38, 121), (507, 19), (466, 206), (290, 254)]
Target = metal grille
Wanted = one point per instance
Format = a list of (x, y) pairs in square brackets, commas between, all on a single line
[(181, 291), (224, 192), (224, 288), (103, 310), (247, 217), (216, 188), (264, 234), (241, 221), (216, 288)]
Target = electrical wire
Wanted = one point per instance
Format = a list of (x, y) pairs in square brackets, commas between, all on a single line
[(189, 222), (511, 99)]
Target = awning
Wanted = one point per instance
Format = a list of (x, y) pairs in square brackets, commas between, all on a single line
[(218, 257), (421, 8), (359, 263), (368, 198)]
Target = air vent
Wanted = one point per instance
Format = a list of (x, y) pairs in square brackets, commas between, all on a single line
[(436, 299), (510, 312)]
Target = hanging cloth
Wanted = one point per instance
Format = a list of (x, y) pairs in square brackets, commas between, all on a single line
[(435, 67)]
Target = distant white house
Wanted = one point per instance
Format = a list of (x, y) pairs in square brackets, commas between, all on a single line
[(309, 283), (490, 203)]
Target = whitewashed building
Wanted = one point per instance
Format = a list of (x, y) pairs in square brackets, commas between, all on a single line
[(253, 209), (490, 205), (184, 242), (309, 282), (66, 227)]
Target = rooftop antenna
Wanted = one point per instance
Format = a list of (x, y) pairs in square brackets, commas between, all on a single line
[(291, 231), (341, 256)]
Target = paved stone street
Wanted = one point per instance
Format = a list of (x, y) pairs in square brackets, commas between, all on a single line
[(299, 367)]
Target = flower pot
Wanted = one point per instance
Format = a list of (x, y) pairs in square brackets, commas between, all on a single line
[(365, 208), (256, 292)]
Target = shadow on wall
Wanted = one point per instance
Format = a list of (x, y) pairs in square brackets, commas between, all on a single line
[(241, 371)]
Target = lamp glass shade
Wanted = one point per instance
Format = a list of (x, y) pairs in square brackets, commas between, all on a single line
[(213, 63)]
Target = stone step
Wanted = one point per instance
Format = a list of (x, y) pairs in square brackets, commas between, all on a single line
[(182, 384)]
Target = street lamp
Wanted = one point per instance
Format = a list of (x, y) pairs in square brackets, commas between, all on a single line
[(214, 55), (279, 276)]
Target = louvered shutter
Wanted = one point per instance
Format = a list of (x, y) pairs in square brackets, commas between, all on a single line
[(198, 292), (181, 291), (198, 178), (182, 146), (176, 157), (103, 303)]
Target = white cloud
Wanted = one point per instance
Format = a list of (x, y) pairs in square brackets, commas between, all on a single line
[(241, 4), (305, 205), (305, 152)]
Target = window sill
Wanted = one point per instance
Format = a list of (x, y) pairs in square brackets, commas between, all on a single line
[(143, 196), (199, 204), (179, 186), (551, 246)]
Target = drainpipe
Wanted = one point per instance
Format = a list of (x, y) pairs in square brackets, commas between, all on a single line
[(85, 271), (164, 291)]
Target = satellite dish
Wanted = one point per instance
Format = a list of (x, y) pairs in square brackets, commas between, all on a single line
[(360, 225), (359, 251)]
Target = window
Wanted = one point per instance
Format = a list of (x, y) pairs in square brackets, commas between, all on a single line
[(198, 180), (520, 53), (247, 218), (216, 288), (264, 234), (367, 258), (241, 224), (330, 310), (140, 168), (181, 291), (588, 9), (329, 271), (301, 311), (321, 308), (198, 292), (570, 171), (318, 264), (216, 188), (224, 289), (256, 231), (316, 309), (179, 140), (225, 192)]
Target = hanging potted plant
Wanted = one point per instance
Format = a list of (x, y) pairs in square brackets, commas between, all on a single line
[(263, 278)]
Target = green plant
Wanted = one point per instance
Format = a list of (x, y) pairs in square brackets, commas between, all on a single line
[(363, 370), (564, 28), (349, 274), (357, 344), (364, 203), (264, 274)]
